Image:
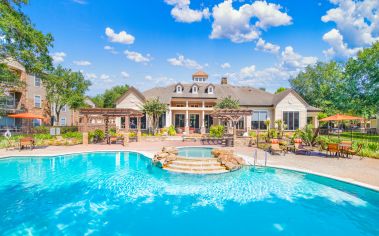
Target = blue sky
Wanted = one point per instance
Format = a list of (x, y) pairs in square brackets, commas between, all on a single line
[(158, 42)]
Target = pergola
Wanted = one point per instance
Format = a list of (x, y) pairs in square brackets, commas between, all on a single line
[(111, 113), (232, 115)]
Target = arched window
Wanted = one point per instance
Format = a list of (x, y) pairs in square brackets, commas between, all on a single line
[(194, 89), (210, 90), (178, 88)]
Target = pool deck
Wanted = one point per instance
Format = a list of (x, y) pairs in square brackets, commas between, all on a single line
[(364, 172)]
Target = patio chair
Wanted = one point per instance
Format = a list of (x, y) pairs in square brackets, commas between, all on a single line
[(275, 147), (333, 149), (353, 152)]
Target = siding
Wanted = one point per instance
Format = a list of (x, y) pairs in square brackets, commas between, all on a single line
[(291, 103)]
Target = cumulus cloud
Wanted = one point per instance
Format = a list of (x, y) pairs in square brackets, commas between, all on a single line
[(121, 37), (90, 76), (184, 62), (289, 64), (161, 80), (183, 13), (264, 46), (137, 57), (106, 78), (226, 65), (339, 48), (82, 63), (125, 74), (357, 26), (110, 49), (236, 24), (58, 57)]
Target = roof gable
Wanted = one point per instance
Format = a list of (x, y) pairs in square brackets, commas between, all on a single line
[(131, 90)]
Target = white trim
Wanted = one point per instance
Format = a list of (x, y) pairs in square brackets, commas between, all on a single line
[(35, 78)]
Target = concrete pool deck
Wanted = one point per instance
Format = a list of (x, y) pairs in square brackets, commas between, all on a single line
[(363, 172)]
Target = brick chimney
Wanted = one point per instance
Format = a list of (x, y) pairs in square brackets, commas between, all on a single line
[(224, 80)]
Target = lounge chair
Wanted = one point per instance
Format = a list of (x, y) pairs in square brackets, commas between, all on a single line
[(275, 147), (300, 148)]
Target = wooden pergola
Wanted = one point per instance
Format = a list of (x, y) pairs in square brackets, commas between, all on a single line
[(107, 113), (232, 115)]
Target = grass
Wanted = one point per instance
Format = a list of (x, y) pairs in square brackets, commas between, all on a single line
[(357, 137)]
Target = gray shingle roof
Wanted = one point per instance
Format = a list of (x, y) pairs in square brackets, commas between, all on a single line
[(247, 96)]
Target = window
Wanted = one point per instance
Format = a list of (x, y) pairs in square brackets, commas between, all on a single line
[(64, 108), (162, 121), (178, 89), (210, 90), (241, 124), (208, 121), (63, 121), (37, 101), (258, 120), (179, 120), (291, 120), (37, 81), (36, 122), (194, 89)]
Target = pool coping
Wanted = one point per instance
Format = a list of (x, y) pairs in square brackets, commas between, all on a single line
[(150, 155)]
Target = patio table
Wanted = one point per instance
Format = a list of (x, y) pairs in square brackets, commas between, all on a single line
[(342, 147)]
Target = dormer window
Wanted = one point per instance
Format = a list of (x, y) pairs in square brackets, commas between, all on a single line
[(210, 90), (179, 89), (194, 89)]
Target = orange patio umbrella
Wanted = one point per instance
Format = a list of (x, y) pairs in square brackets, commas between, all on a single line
[(340, 117), (27, 116)]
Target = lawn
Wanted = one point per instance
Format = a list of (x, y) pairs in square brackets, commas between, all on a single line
[(357, 137)]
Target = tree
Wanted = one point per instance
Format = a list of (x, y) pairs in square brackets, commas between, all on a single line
[(322, 85), (109, 97), (228, 103), (279, 90), (65, 87), (21, 42), (362, 82), (153, 108)]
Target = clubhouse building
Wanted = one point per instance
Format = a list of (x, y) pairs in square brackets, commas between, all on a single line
[(190, 106)]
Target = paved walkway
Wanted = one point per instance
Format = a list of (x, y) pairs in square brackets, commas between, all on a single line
[(364, 172)]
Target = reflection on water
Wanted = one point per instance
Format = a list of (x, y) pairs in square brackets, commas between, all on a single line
[(84, 193)]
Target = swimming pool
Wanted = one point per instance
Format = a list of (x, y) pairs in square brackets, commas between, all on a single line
[(115, 193), (195, 152)]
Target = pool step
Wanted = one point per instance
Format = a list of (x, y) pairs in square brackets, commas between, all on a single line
[(196, 166)]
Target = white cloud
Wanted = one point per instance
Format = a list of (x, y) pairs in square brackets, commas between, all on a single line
[(226, 65), (110, 49), (82, 63), (236, 24), (289, 65), (338, 49), (357, 25), (137, 57), (90, 76), (294, 61), (183, 13), (184, 62), (106, 78), (262, 45), (58, 57), (80, 1), (125, 74), (121, 37), (161, 80)]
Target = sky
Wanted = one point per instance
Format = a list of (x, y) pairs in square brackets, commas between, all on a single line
[(159, 42)]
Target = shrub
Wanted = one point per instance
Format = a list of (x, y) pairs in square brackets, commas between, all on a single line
[(96, 135), (216, 131), (171, 131), (76, 135), (67, 129), (41, 130), (43, 136), (252, 133)]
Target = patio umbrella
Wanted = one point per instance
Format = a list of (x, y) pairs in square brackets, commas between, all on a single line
[(28, 116), (340, 117)]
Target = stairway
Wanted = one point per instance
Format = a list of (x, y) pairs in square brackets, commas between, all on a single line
[(196, 166)]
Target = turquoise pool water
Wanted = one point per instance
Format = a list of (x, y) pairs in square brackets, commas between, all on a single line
[(123, 194), (195, 152)]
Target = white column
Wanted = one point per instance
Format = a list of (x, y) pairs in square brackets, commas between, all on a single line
[(186, 128), (168, 118), (202, 130)]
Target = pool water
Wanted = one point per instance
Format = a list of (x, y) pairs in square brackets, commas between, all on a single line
[(195, 152), (124, 194)]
